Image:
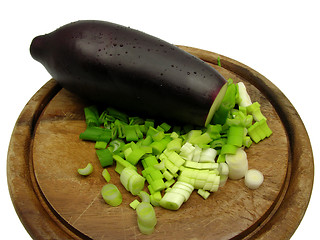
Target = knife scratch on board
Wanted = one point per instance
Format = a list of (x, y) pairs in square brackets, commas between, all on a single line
[(86, 208)]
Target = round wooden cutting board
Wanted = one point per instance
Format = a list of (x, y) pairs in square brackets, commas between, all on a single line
[(54, 202)]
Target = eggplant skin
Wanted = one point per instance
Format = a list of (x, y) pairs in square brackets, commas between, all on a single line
[(130, 70)]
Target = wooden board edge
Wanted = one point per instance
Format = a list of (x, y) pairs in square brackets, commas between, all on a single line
[(300, 156), (28, 204)]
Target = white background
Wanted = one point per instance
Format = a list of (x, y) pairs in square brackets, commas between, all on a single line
[(279, 39)]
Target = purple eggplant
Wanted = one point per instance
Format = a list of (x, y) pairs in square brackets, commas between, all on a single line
[(130, 70)]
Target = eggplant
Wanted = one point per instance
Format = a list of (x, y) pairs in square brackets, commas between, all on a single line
[(130, 70)]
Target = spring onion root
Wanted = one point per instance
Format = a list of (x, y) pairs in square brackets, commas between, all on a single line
[(253, 179), (86, 171)]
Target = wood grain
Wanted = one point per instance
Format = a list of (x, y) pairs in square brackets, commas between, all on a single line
[(54, 202)]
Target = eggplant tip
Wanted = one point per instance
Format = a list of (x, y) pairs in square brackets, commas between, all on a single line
[(36, 47)]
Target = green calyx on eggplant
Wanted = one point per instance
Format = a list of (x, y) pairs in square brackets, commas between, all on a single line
[(130, 70)]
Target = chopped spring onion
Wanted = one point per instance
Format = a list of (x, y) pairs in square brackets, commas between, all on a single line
[(208, 155), (86, 171), (154, 178), (136, 184), (176, 196), (138, 131), (135, 155), (146, 217), (191, 135), (183, 188), (202, 139), (176, 160), (159, 166), (134, 204), (238, 164), (172, 200), (130, 133), (173, 169), (119, 128), (132, 180), (244, 99), (218, 143), (96, 134), (221, 158), (149, 161), (259, 131), (186, 151), (144, 196), (214, 131), (175, 144), (151, 190), (196, 154), (147, 141), (254, 110), (246, 142), (167, 175), (106, 175), (135, 120), (149, 123), (105, 157), (100, 145), (156, 174), (219, 61), (158, 136), (159, 146), (145, 230), (121, 164), (111, 194), (235, 135), (127, 152), (152, 131), (201, 165), (125, 176), (154, 200), (253, 179), (157, 185), (165, 126), (174, 135), (223, 180), (116, 145), (203, 193), (223, 169), (170, 182), (92, 116), (228, 103), (228, 149), (117, 114)]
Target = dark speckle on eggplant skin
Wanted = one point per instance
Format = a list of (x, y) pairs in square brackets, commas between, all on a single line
[(106, 62)]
